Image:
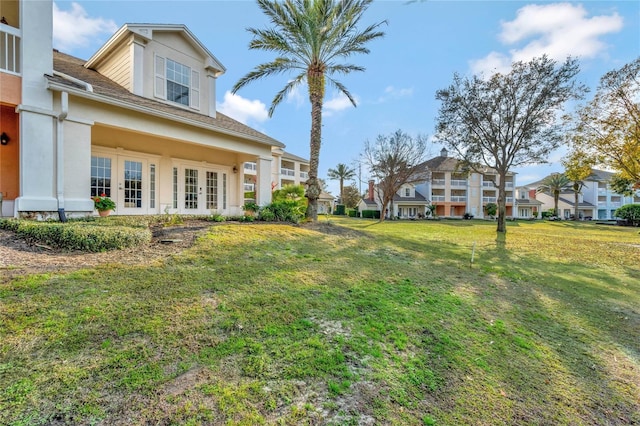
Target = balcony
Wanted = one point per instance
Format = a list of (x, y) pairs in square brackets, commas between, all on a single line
[(437, 181), (458, 198), (489, 199), (287, 172), (437, 198), (458, 182), (249, 187), (509, 199), (304, 175), (250, 167), (488, 184), (10, 49), (508, 184)]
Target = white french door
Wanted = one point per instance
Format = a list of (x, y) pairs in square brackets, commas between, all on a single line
[(200, 190), (133, 186)]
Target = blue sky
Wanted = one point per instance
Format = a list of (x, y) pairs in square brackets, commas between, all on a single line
[(425, 43)]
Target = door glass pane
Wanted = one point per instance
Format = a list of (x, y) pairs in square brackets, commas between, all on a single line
[(132, 184), (100, 176), (212, 190), (190, 189)]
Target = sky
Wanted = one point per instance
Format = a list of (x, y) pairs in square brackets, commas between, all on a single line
[(425, 43)]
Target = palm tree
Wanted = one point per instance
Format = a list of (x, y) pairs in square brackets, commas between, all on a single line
[(310, 37), (342, 172), (554, 184)]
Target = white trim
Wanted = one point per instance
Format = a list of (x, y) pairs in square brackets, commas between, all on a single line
[(194, 98), (160, 79), (88, 87)]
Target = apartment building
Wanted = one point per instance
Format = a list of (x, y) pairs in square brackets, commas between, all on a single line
[(452, 190), (286, 169), (455, 191), (596, 200)]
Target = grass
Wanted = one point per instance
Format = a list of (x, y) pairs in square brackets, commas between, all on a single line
[(383, 323)]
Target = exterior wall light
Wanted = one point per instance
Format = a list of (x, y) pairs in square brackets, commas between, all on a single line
[(4, 138)]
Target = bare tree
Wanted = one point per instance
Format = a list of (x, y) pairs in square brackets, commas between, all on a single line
[(508, 120), (395, 160)]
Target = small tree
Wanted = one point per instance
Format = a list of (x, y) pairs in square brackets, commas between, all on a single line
[(577, 166), (395, 160), (491, 209), (351, 196), (553, 185), (507, 120), (341, 173)]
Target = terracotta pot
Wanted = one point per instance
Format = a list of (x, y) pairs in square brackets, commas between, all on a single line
[(104, 213)]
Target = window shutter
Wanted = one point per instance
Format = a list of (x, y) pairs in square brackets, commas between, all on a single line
[(160, 84), (195, 90)]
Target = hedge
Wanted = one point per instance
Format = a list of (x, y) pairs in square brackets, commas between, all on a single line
[(85, 236), (371, 214)]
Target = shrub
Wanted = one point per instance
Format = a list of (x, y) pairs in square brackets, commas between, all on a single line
[(352, 213), (630, 213), (283, 211), (491, 209), (371, 214), (215, 217), (468, 216), (340, 210), (85, 236)]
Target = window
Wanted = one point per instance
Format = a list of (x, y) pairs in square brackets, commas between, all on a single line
[(178, 78), (175, 187), (176, 82), (152, 186), (407, 192), (100, 176)]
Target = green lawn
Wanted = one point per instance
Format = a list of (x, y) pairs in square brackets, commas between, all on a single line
[(376, 324)]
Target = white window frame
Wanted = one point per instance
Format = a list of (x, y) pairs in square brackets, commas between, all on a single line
[(161, 81)]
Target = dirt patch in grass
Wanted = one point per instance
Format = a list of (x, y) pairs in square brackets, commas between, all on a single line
[(18, 257)]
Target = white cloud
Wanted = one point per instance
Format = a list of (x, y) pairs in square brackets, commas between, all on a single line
[(392, 93), (557, 30), (295, 96), (74, 28), (243, 110), (337, 103)]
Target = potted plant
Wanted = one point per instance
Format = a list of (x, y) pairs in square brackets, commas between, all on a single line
[(250, 209), (103, 204)]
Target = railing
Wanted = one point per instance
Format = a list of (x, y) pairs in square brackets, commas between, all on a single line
[(508, 184), (437, 181), (250, 166), (602, 204), (458, 182), (304, 175), (488, 184), (10, 49), (509, 199), (287, 172), (249, 187), (489, 199), (615, 204), (458, 198), (437, 198)]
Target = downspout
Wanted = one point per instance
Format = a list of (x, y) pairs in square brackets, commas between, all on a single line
[(64, 110)]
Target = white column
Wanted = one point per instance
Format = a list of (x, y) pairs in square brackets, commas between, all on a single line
[(137, 70), (263, 181)]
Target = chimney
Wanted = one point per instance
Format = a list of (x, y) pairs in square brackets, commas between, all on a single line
[(532, 194), (444, 152), (371, 197)]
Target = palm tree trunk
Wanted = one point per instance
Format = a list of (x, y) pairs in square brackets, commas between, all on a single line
[(341, 191), (316, 95)]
